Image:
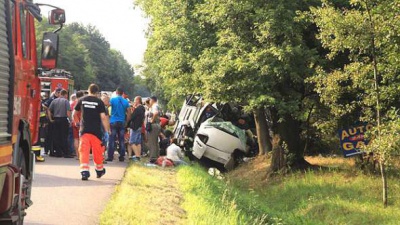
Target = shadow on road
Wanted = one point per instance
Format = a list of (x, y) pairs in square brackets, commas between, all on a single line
[(46, 180), (61, 172)]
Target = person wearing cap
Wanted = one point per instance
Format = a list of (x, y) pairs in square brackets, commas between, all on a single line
[(120, 111), (154, 131)]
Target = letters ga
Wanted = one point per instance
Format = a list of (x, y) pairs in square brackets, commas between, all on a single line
[(353, 138)]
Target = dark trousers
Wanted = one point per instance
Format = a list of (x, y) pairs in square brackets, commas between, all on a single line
[(117, 130), (42, 135), (61, 126), (49, 135), (71, 146)]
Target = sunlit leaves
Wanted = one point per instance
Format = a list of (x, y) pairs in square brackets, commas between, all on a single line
[(351, 30)]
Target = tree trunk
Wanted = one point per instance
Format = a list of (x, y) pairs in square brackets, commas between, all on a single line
[(384, 184), (289, 130), (278, 161), (263, 137), (382, 158)]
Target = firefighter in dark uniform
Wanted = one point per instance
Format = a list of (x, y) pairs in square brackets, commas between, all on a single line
[(48, 146), (37, 147)]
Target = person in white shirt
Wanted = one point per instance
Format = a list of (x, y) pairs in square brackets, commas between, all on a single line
[(174, 153), (154, 129)]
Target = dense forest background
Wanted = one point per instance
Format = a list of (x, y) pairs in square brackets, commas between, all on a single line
[(86, 53)]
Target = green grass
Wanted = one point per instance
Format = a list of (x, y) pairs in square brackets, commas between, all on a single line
[(329, 198), (189, 195), (335, 196), (145, 196), (212, 201)]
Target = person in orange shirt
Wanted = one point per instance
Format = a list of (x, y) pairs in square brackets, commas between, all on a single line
[(75, 126)]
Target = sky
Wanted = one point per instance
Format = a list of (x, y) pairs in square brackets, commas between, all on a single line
[(122, 24)]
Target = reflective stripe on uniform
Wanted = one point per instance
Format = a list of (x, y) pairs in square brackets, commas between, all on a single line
[(99, 167), (85, 166)]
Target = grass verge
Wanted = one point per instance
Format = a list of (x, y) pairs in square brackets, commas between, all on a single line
[(212, 201), (145, 196), (189, 195), (338, 195)]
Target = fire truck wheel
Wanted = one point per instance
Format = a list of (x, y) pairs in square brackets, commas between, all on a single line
[(21, 163)]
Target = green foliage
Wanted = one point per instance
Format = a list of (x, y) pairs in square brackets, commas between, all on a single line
[(256, 53), (368, 85), (174, 43), (363, 31), (349, 89), (251, 52), (140, 88), (87, 54), (385, 142)]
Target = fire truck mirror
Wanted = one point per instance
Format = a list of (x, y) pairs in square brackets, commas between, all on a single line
[(57, 16), (49, 50)]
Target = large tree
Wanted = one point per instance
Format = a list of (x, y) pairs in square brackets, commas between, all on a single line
[(262, 58), (175, 41), (253, 52)]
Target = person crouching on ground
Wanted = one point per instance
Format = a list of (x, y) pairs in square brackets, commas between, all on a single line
[(135, 125), (93, 116), (174, 153)]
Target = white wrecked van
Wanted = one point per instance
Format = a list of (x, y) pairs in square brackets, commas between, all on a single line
[(203, 132)]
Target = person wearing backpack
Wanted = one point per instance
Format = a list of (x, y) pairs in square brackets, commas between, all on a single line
[(135, 124)]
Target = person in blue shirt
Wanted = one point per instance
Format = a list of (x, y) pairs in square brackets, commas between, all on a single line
[(120, 111)]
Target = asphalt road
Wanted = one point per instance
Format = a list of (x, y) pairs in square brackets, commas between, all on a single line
[(61, 197)]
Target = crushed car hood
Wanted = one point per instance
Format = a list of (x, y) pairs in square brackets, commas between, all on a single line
[(227, 127)]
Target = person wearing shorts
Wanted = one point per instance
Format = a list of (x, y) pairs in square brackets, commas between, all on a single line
[(92, 119), (135, 125)]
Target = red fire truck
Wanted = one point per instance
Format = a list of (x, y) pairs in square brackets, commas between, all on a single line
[(56, 78), (20, 99)]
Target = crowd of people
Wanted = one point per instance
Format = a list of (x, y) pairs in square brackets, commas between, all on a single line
[(99, 124)]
